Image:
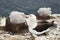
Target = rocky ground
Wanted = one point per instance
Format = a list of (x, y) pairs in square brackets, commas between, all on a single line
[(52, 34)]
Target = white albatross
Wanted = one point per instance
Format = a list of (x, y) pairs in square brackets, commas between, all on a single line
[(32, 23)]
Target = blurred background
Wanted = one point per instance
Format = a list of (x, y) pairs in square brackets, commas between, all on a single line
[(27, 6)]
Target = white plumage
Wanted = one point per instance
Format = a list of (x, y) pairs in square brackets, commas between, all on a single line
[(17, 17), (32, 23), (44, 11)]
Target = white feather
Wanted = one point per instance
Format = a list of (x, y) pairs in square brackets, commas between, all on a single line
[(17, 17), (44, 11), (32, 23)]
